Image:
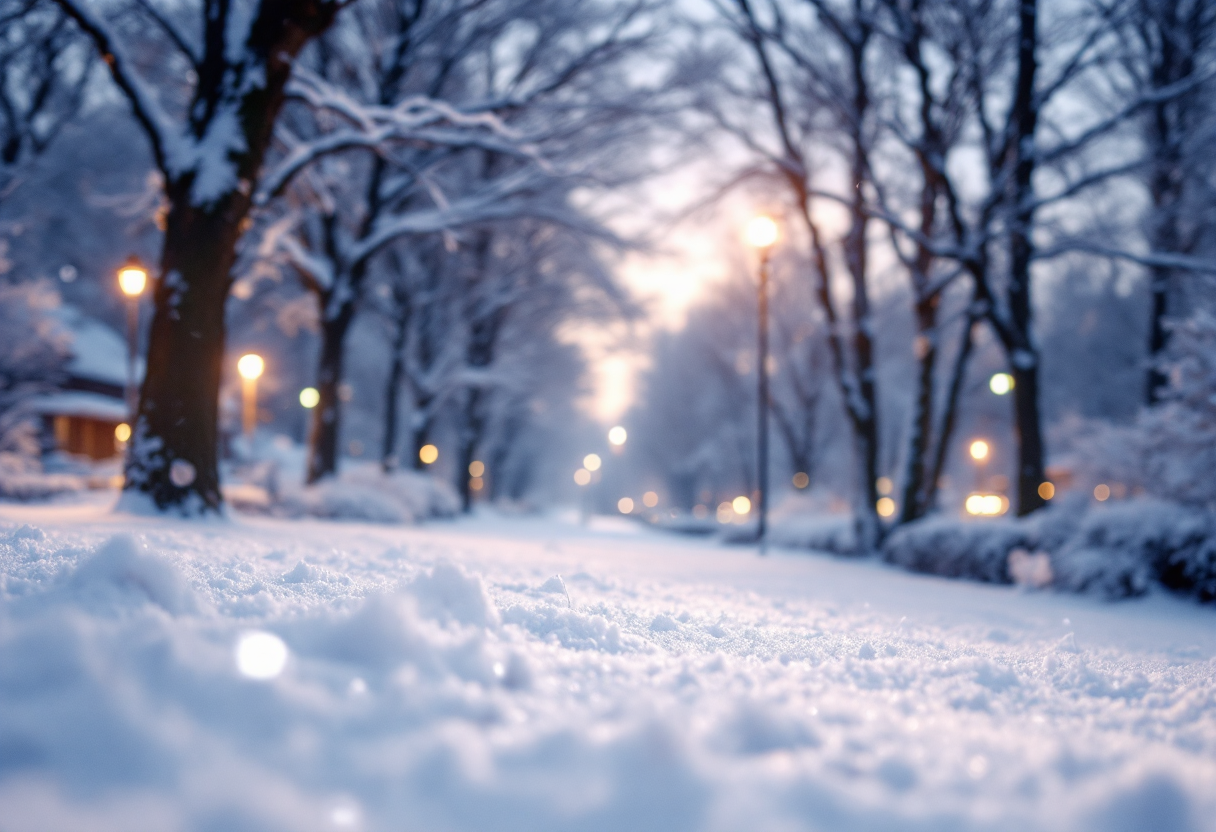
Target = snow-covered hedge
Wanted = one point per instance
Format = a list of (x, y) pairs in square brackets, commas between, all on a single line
[(365, 493), (830, 533), (1116, 551)]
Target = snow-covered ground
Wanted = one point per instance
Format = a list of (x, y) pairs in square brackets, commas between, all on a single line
[(444, 678)]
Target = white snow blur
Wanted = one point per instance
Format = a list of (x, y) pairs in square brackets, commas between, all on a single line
[(263, 674)]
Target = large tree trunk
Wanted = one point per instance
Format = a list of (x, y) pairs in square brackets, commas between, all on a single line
[(326, 416), (173, 458), (1023, 354)]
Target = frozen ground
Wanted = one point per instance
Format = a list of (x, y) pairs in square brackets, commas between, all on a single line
[(442, 678)]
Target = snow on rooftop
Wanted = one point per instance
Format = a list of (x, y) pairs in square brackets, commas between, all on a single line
[(266, 674), (98, 351), (80, 403)]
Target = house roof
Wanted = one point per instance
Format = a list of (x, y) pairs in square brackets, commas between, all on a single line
[(80, 403), (98, 352)]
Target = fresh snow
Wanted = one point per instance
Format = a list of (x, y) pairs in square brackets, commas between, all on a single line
[(529, 674)]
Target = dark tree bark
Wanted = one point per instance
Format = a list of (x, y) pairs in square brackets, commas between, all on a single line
[(402, 309), (327, 415), (173, 455), (1018, 337)]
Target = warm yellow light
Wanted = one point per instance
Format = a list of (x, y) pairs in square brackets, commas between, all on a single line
[(592, 462), (986, 505), (885, 507), (761, 232), (624, 505), (477, 483), (884, 485), (801, 480), (1102, 492), (132, 279), (310, 397), (979, 450), (741, 505), (582, 476), (122, 432), (428, 454), (250, 366), (650, 499), (1047, 490), (476, 468), (617, 436), (1000, 383)]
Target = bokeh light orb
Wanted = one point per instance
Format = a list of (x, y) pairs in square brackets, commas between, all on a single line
[(310, 397), (617, 436), (260, 655), (428, 454)]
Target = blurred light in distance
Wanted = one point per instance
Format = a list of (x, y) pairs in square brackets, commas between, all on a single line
[(617, 435), (132, 278), (1047, 490), (477, 483), (250, 366), (582, 476), (884, 485), (725, 513), (885, 507), (700, 511), (1000, 383), (801, 480), (986, 505), (122, 432), (476, 468), (428, 454), (979, 450), (650, 499), (624, 505), (260, 655), (741, 505), (761, 232), (1102, 492), (592, 462), (310, 397)]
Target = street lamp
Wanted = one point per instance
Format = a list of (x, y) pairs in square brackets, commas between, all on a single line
[(132, 279), (761, 235), (250, 366)]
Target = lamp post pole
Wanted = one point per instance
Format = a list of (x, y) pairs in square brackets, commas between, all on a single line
[(762, 405), (761, 235)]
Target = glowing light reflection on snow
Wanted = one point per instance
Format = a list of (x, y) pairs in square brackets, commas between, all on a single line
[(260, 655)]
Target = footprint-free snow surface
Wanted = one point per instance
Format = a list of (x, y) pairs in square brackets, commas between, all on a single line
[(525, 675)]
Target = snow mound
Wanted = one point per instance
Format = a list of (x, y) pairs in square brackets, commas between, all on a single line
[(449, 594), (121, 569), (367, 494), (825, 533), (945, 546)]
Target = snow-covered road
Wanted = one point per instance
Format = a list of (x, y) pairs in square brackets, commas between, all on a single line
[(443, 678)]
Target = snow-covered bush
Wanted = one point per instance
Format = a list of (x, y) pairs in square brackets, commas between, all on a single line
[(958, 549), (34, 349), (826, 533), (1117, 550), (1169, 452), (23, 479), (364, 493), (1120, 550)]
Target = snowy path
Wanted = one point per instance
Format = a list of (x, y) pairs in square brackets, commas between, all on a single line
[(439, 679)]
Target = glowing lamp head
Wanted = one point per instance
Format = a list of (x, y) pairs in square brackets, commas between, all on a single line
[(428, 454), (617, 436), (132, 278), (979, 450), (250, 366), (761, 232), (1000, 383)]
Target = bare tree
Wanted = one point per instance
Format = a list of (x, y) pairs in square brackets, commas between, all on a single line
[(208, 137), (43, 72)]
